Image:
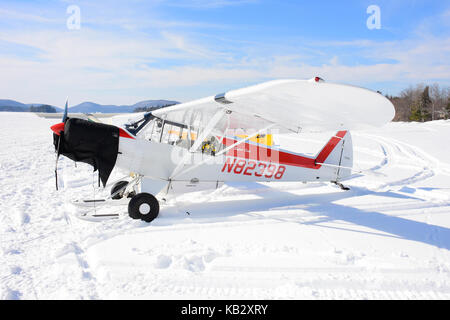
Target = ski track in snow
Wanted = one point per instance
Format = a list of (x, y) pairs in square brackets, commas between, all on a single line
[(386, 238)]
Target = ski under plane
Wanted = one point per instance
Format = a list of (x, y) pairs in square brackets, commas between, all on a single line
[(228, 137)]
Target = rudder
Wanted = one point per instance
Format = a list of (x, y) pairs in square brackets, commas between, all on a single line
[(338, 153)]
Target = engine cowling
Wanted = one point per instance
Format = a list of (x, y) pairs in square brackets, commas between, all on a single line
[(90, 142)]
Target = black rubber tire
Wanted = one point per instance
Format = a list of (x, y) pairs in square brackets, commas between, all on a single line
[(141, 199), (119, 185)]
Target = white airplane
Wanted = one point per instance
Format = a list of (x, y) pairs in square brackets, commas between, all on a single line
[(228, 137)]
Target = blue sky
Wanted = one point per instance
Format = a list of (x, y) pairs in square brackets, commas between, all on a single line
[(129, 51)]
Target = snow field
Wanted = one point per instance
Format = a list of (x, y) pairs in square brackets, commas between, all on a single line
[(386, 238)]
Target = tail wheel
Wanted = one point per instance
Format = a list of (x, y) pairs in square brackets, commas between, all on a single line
[(116, 187), (143, 206)]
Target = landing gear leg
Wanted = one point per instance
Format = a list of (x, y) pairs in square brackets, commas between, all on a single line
[(340, 185)]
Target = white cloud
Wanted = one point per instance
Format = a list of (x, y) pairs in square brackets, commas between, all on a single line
[(122, 68)]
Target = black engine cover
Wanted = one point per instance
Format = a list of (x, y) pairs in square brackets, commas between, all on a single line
[(90, 142)]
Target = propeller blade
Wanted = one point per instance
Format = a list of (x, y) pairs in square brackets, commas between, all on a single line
[(58, 129), (65, 111), (57, 158)]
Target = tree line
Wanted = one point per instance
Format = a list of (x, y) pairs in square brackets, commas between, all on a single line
[(422, 103), (43, 108)]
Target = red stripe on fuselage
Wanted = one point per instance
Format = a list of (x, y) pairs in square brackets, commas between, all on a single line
[(260, 153), (124, 134)]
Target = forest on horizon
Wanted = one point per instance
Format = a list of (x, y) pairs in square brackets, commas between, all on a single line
[(422, 103)]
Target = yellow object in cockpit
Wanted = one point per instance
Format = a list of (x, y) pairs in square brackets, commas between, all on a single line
[(265, 139)]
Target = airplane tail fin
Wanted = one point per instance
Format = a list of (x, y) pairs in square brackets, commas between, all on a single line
[(338, 154)]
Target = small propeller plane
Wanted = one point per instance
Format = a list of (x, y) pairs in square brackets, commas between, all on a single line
[(202, 144)]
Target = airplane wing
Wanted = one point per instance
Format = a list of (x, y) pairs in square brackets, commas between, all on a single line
[(289, 105)]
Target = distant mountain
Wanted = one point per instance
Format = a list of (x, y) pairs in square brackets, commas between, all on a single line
[(11, 105), (91, 107), (85, 107)]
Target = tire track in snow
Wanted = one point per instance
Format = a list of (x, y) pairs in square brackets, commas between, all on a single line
[(404, 155)]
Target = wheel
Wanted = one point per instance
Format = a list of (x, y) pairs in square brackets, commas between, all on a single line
[(116, 187), (143, 206)]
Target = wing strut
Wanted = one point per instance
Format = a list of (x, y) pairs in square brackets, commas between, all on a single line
[(214, 120)]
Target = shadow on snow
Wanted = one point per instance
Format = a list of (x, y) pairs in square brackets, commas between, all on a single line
[(320, 205)]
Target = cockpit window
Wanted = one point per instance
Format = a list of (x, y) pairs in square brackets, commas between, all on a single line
[(177, 134)]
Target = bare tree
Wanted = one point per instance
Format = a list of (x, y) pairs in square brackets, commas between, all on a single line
[(422, 103), (439, 98)]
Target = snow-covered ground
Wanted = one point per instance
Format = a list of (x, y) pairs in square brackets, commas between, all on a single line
[(387, 238)]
